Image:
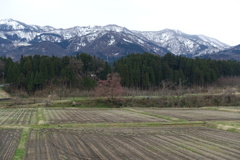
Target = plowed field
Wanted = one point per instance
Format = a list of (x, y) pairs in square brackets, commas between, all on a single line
[(58, 116), (9, 139), (194, 114), (17, 116), (131, 133), (133, 143)]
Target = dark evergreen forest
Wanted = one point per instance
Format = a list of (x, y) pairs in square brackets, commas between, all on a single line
[(148, 70), (83, 71), (37, 72)]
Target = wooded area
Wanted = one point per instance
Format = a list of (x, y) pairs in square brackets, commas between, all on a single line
[(142, 71), (37, 72), (148, 70)]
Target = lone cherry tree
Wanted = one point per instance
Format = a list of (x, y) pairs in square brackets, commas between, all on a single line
[(110, 88)]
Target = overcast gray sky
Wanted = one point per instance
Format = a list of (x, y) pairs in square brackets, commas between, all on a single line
[(214, 18)]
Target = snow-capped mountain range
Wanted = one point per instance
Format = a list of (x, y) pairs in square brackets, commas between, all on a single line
[(232, 53), (112, 41)]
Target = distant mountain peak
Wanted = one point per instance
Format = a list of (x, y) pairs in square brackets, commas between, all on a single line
[(232, 53), (172, 30), (180, 43), (9, 20), (109, 40), (10, 24)]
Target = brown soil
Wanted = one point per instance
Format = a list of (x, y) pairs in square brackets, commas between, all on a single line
[(194, 114), (59, 116), (9, 139), (17, 116), (133, 143)]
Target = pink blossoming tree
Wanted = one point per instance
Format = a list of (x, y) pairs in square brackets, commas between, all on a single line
[(110, 88)]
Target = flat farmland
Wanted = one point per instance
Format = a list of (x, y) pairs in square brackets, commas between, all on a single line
[(9, 139), (61, 116), (17, 116), (129, 133), (133, 143), (193, 114)]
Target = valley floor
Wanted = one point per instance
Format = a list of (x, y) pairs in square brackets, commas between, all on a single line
[(119, 133)]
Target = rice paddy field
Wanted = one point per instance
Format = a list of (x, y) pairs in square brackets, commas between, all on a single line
[(124, 133)]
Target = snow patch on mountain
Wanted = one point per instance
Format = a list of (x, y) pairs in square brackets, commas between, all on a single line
[(113, 28), (115, 54), (2, 35), (111, 41), (15, 25), (214, 42), (180, 43), (21, 44), (128, 40)]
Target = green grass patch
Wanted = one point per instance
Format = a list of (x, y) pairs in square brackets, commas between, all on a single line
[(20, 152), (40, 116), (157, 115), (232, 126), (233, 130), (190, 149), (118, 125), (235, 109)]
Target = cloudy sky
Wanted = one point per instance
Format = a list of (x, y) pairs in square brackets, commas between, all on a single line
[(214, 18)]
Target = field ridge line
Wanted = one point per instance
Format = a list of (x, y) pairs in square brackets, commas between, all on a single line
[(20, 151), (40, 119), (156, 115)]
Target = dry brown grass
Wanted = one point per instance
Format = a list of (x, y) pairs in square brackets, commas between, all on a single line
[(228, 82), (4, 94), (62, 93)]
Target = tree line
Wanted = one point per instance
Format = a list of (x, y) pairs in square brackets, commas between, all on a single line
[(148, 70), (36, 72), (83, 71)]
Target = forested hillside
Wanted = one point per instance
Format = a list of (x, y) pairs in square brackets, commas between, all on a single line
[(148, 70), (37, 72), (142, 71)]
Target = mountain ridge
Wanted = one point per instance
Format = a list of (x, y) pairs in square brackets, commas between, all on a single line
[(232, 53), (108, 41)]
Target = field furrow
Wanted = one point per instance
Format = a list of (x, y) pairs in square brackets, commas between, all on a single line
[(129, 143), (114, 134), (208, 144), (209, 151), (193, 114), (18, 116), (221, 138), (59, 116), (9, 142), (182, 152)]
